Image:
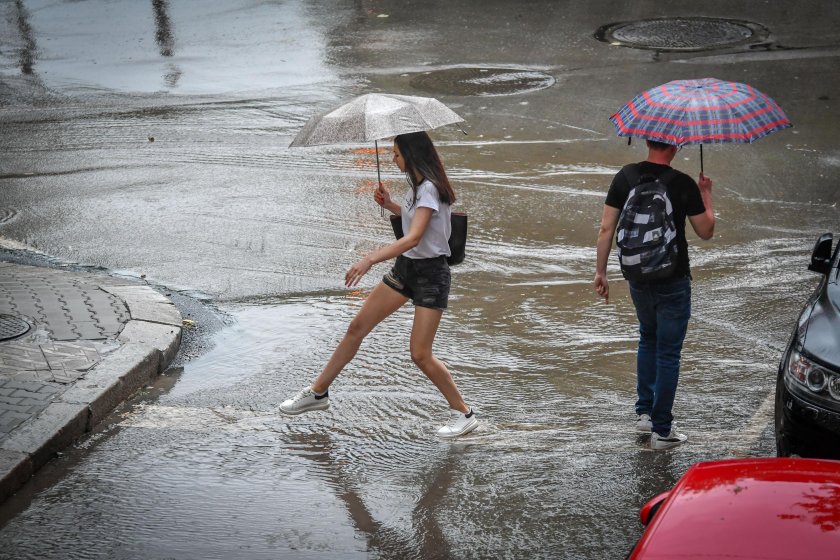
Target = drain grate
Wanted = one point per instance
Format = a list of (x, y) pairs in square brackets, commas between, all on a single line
[(12, 327), (682, 33), (482, 81)]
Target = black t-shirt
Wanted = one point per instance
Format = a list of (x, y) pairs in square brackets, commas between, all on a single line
[(685, 198)]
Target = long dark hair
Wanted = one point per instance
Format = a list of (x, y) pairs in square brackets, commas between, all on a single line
[(421, 158)]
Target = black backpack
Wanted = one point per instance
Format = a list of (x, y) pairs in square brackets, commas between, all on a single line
[(646, 235)]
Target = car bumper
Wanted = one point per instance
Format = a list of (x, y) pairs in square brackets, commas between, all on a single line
[(799, 409)]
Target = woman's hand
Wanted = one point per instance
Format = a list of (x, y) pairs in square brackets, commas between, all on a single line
[(381, 196), (355, 272)]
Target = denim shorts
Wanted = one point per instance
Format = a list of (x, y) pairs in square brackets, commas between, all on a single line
[(424, 281)]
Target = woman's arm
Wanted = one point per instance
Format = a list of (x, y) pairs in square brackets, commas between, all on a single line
[(422, 217)]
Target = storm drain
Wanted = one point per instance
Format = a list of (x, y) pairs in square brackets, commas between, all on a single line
[(482, 81), (682, 33), (12, 327)]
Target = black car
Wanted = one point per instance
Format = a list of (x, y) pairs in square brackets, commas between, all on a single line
[(808, 386)]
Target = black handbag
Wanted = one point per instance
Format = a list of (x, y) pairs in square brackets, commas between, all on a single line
[(457, 239)]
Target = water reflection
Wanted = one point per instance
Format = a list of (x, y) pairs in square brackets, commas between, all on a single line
[(163, 28), (26, 56), (165, 41), (822, 508), (426, 539), (653, 472)]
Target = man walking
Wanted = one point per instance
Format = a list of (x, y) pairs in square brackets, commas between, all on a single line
[(663, 305)]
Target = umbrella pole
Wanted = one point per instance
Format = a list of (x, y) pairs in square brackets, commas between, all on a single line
[(701, 159), (379, 177)]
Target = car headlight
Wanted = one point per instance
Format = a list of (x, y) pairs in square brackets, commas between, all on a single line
[(798, 366), (816, 378), (834, 387)]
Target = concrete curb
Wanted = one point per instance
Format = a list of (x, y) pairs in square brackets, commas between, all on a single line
[(149, 343)]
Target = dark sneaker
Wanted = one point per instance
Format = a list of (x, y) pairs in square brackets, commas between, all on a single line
[(643, 423), (673, 439), (304, 401)]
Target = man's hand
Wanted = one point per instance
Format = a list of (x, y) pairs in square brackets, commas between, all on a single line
[(602, 286), (704, 183)]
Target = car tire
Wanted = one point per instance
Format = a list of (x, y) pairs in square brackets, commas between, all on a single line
[(788, 438)]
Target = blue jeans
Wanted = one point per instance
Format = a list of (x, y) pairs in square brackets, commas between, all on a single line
[(663, 311)]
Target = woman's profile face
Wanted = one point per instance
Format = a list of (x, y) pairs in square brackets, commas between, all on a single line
[(398, 159)]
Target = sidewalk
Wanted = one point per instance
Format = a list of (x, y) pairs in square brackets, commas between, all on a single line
[(72, 347)]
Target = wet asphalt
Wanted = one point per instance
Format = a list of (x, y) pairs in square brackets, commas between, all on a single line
[(151, 139)]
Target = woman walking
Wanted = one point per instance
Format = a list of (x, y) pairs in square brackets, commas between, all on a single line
[(420, 274)]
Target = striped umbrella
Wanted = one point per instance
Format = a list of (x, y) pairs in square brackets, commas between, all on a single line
[(706, 111)]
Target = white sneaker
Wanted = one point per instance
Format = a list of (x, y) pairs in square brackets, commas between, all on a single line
[(304, 401), (671, 440), (643, 423), (459, 424)]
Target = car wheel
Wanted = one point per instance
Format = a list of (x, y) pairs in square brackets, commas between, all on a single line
[(788, 441)]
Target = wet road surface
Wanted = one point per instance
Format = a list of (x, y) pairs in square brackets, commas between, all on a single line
[(151, 139)]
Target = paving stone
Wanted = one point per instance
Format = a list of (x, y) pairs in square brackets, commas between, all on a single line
[(10, 419), (22, 357), (40, 375), (63, 332), (145, 304), (66, 375), (28, 307), (70, 355), (27, 396), (22, 408), (89, 330)]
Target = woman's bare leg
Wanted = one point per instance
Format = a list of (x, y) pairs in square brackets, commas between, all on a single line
[(381, 303), (426, 321)]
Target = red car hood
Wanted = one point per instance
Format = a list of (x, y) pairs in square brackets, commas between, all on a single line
[(749, 509)]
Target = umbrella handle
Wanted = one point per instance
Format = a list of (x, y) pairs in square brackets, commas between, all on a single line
[(378, 176), (701, 159)]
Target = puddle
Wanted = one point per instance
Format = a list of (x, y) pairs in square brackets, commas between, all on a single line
[(482, 81)]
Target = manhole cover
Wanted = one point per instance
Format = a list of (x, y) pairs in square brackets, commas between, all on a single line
[(682, 34), (12, 327), (482, 81)]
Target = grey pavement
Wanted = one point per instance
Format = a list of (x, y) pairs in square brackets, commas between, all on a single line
[(73, 346)]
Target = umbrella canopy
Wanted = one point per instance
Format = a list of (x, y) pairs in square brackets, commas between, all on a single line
[(706, 111), (372, 117)]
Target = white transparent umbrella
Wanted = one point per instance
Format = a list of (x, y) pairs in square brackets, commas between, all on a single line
[(373, 117)]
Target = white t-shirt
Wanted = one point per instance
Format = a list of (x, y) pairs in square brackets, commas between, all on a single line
[(435, 240)]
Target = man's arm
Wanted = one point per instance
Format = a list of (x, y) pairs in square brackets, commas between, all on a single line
[(704, 224), (609, 221)]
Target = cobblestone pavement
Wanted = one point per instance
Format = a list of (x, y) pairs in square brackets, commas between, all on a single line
[(72, 346)]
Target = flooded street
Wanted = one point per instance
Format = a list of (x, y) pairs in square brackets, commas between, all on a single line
[(150, 139)]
